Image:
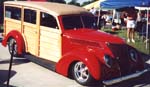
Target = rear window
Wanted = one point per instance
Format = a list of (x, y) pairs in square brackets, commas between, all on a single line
[(13, 12)]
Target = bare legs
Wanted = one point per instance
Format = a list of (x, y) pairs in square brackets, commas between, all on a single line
[(130, 35)]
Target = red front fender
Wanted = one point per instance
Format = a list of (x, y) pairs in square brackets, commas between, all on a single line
[(18, 37), (90, 60)]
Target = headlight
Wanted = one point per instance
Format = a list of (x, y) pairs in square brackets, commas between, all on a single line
[(108, 61), (133, 55)]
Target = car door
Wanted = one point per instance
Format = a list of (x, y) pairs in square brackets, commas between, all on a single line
[(31, 31), (50, 38)]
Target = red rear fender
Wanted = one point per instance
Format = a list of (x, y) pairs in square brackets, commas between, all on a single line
[(18, 37), (90, 60)]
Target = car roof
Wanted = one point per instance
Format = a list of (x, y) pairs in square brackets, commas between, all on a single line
[(55, 9)]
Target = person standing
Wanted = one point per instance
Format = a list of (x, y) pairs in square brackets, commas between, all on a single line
[(131, 24)]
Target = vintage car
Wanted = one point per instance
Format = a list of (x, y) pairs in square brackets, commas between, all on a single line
[(67, 36)]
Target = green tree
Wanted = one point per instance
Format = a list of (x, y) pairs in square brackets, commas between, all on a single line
[(59, 1), (1, 1), (88, 2), (74, 2)]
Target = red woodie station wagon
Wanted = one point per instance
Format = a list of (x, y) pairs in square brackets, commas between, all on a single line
[(67, 36)]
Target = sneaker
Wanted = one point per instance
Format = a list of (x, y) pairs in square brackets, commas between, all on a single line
[(133, 40), (128, 40)]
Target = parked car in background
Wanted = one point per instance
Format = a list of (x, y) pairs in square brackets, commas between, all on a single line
[(67, 36)]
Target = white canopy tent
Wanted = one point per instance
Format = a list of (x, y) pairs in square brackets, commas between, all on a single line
[(147, 28), (142, 4), (115, 4)]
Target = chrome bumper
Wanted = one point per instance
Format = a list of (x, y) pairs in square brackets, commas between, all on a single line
[(117, 80)]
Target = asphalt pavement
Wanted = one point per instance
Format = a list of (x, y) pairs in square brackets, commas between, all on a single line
[(29, 74)]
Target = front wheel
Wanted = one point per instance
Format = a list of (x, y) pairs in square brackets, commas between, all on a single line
[(81, 74), (10, 46)]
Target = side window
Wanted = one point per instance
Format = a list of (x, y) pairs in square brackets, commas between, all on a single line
[(48, 20), (30, 16), (13, 12)]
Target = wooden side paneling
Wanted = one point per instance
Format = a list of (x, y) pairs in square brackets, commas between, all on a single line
[(50, 44), (12, 25), (30, 35)]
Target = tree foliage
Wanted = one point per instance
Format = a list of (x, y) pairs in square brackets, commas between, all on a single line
[(74, 2), (88, 2), (58, 1), (1, 1)]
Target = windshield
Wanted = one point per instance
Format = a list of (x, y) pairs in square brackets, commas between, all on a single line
[(79, 22)]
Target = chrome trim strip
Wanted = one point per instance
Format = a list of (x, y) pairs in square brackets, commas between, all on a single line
[(117, 80)]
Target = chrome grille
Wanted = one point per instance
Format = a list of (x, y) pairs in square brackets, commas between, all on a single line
[(120, 51)]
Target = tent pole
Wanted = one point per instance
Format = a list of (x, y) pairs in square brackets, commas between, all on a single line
[(147, 30), (114, 12), (99, 14)]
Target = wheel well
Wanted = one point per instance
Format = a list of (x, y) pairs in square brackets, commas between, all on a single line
[(90, 82), (70, 69), (11, 37)]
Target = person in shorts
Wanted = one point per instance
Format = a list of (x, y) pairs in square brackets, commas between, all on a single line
[(131, 24)]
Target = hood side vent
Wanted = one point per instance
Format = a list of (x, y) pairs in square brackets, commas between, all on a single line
[(84, 42)]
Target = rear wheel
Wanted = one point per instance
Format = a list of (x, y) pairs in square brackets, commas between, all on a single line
[(10, 46), (81, 74)]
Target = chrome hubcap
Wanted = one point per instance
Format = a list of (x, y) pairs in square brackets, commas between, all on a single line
[(81, 72), (12, 41)]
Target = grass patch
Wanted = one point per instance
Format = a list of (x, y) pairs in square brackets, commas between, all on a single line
[(139, 42)]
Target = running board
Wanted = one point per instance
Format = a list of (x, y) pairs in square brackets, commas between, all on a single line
[(42, 62)]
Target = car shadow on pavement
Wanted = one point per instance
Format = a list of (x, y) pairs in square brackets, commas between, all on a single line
[(16, 61), (4, 77)]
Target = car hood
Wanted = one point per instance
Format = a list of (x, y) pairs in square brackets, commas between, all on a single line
[(93, 35)]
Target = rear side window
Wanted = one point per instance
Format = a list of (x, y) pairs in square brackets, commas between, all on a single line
[(30, 16), (13, 12)]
